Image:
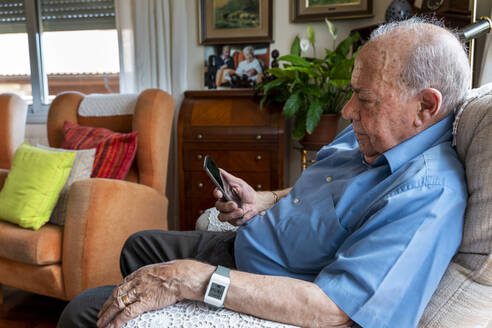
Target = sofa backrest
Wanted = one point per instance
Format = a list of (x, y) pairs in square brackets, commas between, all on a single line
[(464, 295)]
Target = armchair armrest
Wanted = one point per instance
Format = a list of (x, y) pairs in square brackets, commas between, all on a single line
[(101, 215), (3, 177)]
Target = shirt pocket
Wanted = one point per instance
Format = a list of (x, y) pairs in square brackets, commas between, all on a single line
[(309, 237)]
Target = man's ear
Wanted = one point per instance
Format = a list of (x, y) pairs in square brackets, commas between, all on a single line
[(430, 101)]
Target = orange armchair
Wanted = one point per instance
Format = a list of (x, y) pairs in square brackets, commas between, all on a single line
[(63, 261), (13, 111)]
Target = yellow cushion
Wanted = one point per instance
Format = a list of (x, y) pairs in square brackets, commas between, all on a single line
[(33, 185)]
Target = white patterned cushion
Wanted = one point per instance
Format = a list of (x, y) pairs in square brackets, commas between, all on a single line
[(81, 170), (197, 314)]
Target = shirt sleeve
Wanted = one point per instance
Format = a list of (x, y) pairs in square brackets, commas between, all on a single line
[(385, 272)]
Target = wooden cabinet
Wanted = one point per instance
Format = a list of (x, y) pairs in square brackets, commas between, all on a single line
[(242, 139)]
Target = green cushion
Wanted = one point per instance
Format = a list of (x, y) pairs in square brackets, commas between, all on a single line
[(33, 185)]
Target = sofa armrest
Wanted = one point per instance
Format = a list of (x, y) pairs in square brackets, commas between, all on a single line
[(101, 215)]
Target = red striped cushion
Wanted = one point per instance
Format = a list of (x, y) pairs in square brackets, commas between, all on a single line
[(114, 151)]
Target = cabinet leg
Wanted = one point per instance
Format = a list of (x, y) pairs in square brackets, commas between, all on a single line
[(1, 294)]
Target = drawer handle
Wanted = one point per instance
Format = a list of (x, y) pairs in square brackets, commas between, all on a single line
[(199, 185), (259, 186), (259, 158), (199, 136), (199, 156), (259, 137)]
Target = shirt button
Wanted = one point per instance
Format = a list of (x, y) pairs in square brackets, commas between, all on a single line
[(262, 213), (296, 200), (328, 179)]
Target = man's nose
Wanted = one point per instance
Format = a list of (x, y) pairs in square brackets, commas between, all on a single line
[(350, 111)]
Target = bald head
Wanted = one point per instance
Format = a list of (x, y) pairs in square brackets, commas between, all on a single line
[(422, 55)]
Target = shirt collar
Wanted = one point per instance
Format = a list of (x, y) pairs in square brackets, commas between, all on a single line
[(416, 145)]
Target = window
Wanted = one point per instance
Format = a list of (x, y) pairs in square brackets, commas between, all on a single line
[(50, 46)]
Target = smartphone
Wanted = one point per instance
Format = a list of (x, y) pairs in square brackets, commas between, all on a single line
[(214, 174)]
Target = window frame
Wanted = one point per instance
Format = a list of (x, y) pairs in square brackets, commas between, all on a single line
[(38, 110), (41, 100)]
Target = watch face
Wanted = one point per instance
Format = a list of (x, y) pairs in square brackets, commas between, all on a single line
[(216, 291)]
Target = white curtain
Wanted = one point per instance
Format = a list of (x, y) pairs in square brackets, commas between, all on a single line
[(152, 36), (486, 71)]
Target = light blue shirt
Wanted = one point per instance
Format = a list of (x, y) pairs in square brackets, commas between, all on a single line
[(375, 238)]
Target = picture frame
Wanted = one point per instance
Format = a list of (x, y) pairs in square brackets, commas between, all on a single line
[(235, 21), (315, 10)]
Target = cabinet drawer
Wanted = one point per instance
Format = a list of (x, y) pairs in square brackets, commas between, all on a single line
[(202, 186), (229, 160), (239, 134)]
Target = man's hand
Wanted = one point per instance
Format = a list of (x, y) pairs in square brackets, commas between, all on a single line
[(252, 202), (154, 287), (252, 72)]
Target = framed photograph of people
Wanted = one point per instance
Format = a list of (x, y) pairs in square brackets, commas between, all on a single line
[(313, 10), (235, 65), (235, 21)]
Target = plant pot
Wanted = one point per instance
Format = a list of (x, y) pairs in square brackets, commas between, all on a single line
[(323, 134)]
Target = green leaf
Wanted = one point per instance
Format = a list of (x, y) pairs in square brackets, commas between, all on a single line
[(342, 71), (292, 105), (340, 83), (299, 127), (262, 101), (282, 74), (272, 84), (295, 60), (295, 48), (313, 115), (344, 47), (310, 35), (311, 72)]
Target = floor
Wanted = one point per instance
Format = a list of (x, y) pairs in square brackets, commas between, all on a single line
[(25, 310)]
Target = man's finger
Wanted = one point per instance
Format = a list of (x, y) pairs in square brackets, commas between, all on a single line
[(115, 303), (234, 215), (226, 207), (229, 177), (111, 311), (128, 313), (217, 194)]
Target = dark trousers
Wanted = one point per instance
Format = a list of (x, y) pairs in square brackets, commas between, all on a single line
[(148, 247)]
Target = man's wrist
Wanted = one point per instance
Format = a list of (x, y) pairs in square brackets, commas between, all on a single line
[(195, 280)]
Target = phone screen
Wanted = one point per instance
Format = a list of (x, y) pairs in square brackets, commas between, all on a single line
[(214, 171)]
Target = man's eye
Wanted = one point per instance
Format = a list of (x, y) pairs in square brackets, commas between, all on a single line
[(363, 100)]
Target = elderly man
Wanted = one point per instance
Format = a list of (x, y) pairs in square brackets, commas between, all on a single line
[(365, 234)]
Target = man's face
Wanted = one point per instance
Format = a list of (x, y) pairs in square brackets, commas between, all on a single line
[(382, 117)]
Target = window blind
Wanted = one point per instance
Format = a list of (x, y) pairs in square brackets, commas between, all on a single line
[(59, 15)]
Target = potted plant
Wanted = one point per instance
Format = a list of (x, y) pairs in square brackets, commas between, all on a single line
[(313, 90)]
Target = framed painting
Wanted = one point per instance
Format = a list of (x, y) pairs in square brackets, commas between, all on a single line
[(313, 10), (235, 21)]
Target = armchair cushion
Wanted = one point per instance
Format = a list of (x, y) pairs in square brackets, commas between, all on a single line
[(114, 151), (33, 185), (39, 247)]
